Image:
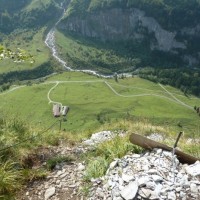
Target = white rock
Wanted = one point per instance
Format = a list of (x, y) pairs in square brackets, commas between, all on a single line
[(152, 171), (158, 189), (81, 167), (136, 155), (193, 170), (150, 185), (127, 178), (143, 180), (99, 192), (157, 178), (194, 188), (113, 164), (145, 193), (182, 195), (178, 189), (129, 192), (171, 196), (49, 192), (117, 198), (59, 173)]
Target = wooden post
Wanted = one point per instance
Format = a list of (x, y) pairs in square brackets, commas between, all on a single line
[(151, 144)]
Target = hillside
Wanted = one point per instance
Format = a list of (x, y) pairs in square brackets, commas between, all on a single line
[(153, 39), (160, 35), (130, 98), (24, 25), (165, 26), (86, 75), (47, 149), (25, 14)]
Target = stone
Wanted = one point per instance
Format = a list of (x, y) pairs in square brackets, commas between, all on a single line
[(63, 175), (59, 173), (194, 188), (81, 167), (113, 164), (127, 178), (178, 189), (99, 192), (145, 193), (117, 198), (129, 191), (171, 196), (142, 181), (157, 178), (193, 170), (49, 193), (135, 176)]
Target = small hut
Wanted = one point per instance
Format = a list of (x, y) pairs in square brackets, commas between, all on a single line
[(65, 110), (56, 110)]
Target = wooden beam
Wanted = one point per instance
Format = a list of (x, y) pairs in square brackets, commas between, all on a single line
[(149, 144)]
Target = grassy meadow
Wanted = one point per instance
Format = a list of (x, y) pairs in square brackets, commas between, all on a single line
[(131, 104), (95, 101), (31, 42)]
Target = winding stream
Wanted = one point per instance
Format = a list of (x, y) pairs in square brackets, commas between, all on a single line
[(50, 43)]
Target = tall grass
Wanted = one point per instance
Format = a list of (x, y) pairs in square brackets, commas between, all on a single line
[(10, 178), (17, 140), (99, 160)]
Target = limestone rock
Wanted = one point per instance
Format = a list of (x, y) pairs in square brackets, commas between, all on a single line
[(129, 192), (49, 192)]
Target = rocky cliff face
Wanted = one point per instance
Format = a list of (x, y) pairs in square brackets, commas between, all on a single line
[(134, 24)]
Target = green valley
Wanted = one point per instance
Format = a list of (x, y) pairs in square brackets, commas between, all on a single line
[(121, 67), (96, 101)]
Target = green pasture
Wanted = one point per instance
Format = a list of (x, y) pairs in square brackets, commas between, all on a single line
[(92, 103), (30, 41)]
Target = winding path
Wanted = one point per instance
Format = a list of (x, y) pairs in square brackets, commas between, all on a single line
[(179, 101), (139, 95), (48, 94), (173, 99)]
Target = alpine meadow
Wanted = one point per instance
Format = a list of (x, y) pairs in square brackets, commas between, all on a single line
[(99, 99)]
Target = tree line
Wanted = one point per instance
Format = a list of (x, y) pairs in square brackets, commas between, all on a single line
[(186, 79)]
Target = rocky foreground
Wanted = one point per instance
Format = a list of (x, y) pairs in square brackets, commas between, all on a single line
[(152, 175)]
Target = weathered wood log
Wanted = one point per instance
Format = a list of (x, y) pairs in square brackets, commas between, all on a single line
[(149, 144)]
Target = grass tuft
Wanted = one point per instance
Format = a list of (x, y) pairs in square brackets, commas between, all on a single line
[(10, 178), (52, 162), (96, 168)]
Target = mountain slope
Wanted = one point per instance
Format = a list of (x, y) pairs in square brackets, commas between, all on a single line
[(17, 14), (167, 26)]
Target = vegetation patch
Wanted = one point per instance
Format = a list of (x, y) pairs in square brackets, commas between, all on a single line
[(53, 161), (99, 160)]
